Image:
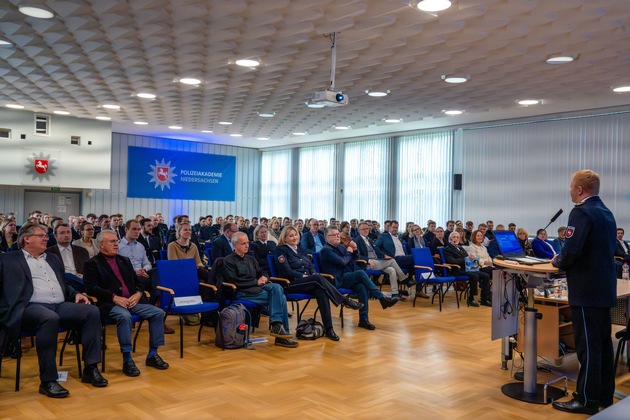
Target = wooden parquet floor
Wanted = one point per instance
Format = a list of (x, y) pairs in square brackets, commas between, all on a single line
[(418, 364)]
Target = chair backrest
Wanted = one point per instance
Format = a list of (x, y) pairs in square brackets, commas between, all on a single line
[(163, 254), (272, 265), (179, 275), (317, 261), (422, 256)]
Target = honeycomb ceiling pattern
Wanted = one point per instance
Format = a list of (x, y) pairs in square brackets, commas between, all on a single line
[(95, 52)]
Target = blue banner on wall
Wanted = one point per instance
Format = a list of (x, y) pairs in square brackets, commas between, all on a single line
[(156, 173)]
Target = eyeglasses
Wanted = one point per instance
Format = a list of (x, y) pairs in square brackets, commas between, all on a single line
[(334, 234), (40, 235), (110, 242)]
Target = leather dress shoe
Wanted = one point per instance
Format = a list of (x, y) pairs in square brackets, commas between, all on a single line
[(409, 281), (473, 303), (92, 376), (351, 304), (398, 297), (387, 302), (130, 369), (168, 330), (53, 390), (421, 294), (157, 362), (331, 334), (364, 323), (403, 292), (576, 406)]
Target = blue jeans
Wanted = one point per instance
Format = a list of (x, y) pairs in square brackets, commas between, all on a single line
[(363, 286), (122, 317), (272, 295)]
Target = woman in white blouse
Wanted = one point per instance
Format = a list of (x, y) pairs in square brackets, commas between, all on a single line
[(86, 241), (476, 249)]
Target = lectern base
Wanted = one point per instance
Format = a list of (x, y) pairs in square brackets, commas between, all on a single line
[(516, 390)]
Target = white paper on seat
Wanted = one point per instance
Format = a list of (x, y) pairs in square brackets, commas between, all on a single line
[(187, 300)]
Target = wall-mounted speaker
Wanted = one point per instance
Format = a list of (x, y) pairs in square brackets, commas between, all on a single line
[(457, 182)]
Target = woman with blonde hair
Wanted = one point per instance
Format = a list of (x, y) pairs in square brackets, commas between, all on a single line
[(522, 236)]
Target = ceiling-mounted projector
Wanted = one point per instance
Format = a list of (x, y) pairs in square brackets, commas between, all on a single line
[(330, 98)]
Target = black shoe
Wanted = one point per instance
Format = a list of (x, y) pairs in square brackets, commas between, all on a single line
[(576, 406), (351, 304), (277, 330), (403, 292), (387, 302), (157, 362), (409, 281), (130, 369), (53, 390), (473, 303), (285, 342), (91, 375), (364, 323), (332, 335), (398, 297), (486, 303)]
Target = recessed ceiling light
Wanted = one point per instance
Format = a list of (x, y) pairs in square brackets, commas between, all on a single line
[(146, 95), (452, 112), (433, 5), (529, 102), (140, 122), (559, 59), (206, 131), (314, 105), (190, 81), (299, 133), (36, 11), (267, 114), (112, 106), (103, 118), (247, 63), (621, 89), (392, 120), (225, 123), (454, 78), (175, 127), (14, 106), (342, 127), (236, 135), (377, 93), (5, 43), (61, 112), (263, 138)]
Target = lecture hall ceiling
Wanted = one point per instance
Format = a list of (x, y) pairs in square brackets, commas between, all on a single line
[(104, 52)]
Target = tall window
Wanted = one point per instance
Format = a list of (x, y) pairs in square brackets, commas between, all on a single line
[(275, 183), (425, 177), (366, 180), (317, 181)]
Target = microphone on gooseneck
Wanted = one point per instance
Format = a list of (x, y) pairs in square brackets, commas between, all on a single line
[(553, 219)]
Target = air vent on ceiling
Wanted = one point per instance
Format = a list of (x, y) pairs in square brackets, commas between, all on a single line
[(5, 133), (42, 125)]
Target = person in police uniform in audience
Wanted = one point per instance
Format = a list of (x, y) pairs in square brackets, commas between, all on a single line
[(295, 265), (588, 259)]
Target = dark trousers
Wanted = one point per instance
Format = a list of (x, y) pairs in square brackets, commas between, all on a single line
[(361, 284), (323, 291), (478, 278), (593, 344), (405, 262), (45, 320)]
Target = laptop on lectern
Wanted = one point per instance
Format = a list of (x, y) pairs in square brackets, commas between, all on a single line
[(511, 248)]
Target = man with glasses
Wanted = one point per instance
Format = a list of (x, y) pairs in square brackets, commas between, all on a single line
[(313, 240), (339, 261), (35, 298), (73, 257), (222, 246)]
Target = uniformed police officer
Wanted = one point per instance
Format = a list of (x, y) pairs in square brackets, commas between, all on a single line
[(295, 265), (588, 259)]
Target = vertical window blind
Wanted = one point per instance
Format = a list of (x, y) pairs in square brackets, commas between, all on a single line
[(275, 183)]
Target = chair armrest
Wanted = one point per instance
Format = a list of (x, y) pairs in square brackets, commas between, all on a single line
[(166, 289), (618, 258), (447, 265), (327, 276), (92, 299), (361, 261), (423, 267), (210, 286), (284, 282), (229, 285)]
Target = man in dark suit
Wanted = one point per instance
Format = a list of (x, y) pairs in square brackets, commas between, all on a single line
[(73, 257), (588, 259), (338, 261), (35, 298), (152, 244), (111, 279), (222, 246), (261, 247), (622, 248), (313, 240), (390, 246)]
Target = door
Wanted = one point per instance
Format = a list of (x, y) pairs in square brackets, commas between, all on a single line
[(57, 203)]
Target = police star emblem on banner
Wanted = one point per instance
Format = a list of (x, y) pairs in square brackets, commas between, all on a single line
[(162, 173)]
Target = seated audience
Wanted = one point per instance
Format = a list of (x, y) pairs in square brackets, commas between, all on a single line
[(438, 242), (182, 248), (130, 247), (340, 263), (295, 265), (476, 249), (415, 239), (222, 245), (541, 246), (35, 298), (391, 246), (313, 240), (87, 242), (72, 257), (274, 230), (523, 239), (261, 247), (454, 253), (558, 243), (622, 249), (429, 232), (8, 235), (112, 280), (151, 243), (462, 236), (252, 284)]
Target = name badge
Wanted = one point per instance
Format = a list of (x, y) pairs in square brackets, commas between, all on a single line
[(187, 300)]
